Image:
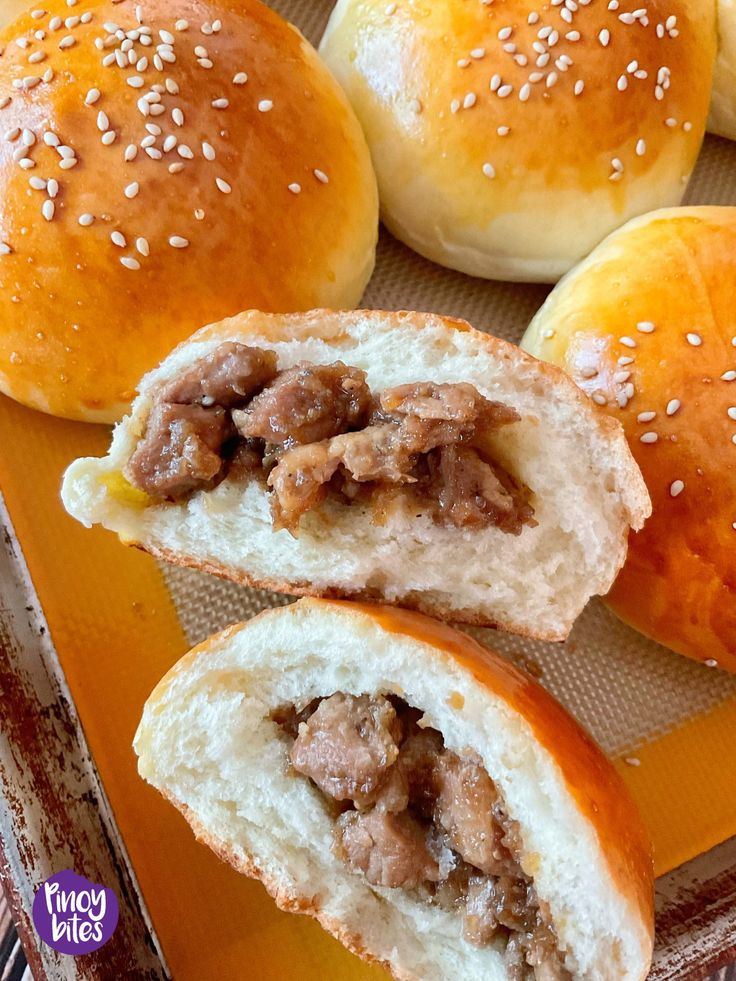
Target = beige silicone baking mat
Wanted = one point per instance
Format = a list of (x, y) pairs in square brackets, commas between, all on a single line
[(624, 688)]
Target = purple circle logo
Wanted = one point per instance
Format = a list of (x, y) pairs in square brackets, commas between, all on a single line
[(74, 915)]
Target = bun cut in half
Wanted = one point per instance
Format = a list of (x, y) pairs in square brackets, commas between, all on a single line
[(722, 119), (646, 326), (166, 164), (432, 806), (400, 457), (510, 138)]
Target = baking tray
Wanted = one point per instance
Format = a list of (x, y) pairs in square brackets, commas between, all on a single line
[(88, 627)]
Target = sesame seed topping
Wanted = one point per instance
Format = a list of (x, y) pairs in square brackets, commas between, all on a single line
[(52, 187), (142, 245), (579, 86), (548, 332), (489, 170), (632, 761), (731, 412), (220, 103), (132, 189), (627, 341), (645, 326), (202, 62), (646, 416), (37, 183), (169, 143), (265, 105), (599, 397), (240, 79), (181, 24), (117, 238), (295, 188), (135, 81), (129, 262), (208, 151), (672, 406), (178, 242), (167, 37), (641, 148), (321, 176), (108, 138), (648, 438), (47, 209), (604, 37), (728, 376), (711, 661), (86, 219), (694, 339), (223, 185), (676, 488), (26, 163), (177, 116), (67, 163), (185, 151), (131, 151), (176, 168), (67, 42), (625, 359)]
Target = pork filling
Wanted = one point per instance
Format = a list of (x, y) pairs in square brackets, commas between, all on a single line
[(316, 430), (410, 814)]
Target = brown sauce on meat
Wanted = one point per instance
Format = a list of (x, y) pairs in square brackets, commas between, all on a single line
[(411, 814), (316, 430)]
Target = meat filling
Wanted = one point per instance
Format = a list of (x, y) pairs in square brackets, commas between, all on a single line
[(316, 430), (410, 814)]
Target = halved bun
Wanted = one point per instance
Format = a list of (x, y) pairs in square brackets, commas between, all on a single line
[(586, 489), (208, 742)]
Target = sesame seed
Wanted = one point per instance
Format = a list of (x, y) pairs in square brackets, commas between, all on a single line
[(645, 326), (129, 262), (641, 148), (694, 339), (646, 416), (12, 134), (185, 151), (37, 14), (672, 406), (117, 238), (28, 137), (623, 83), (153, 152), (47, 209), (504, 91), (503, 130), (240, 79), (524, 92), (478, 53), (505, 33), (177, 116), (223, 185), (181, 24), (632, 761), (86, 219), (599, 397), (36, 57), (169, 143), (625, 359), (676, 488), (26, 163), (199, 214), (489, 170), (548, 332), (711, 661), (208, 151), (202, 62), (470, 100), (148, 141), (131, 151), (728, 376), (172, 86), (216, 25), (200, 51), (67, 42), (176, 168), (731, 412), (265, 105), (135, 81), (295, 188), (220, 103), (177, 242), (108, 138), (67, 163), (91, 97), (52, 187), (132, 189), (579, 86), (167, 37), (5, 249), (627, 341), (604, 37), (648, 438), (321, 176), (391, 9), (142, 245), (65, 151), (37, 183)]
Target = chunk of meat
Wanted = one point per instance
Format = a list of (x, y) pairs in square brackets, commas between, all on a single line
[(181, 450), (227, 376), (480, 922), (306, 404), (418, 761), (389, 849), (464, 808), (348, 745), (470, 493)]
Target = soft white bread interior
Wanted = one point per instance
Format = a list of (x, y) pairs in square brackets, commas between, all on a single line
[(207, 742), (587, 490)]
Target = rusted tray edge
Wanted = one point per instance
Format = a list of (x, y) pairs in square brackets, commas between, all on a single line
[(54, 813)]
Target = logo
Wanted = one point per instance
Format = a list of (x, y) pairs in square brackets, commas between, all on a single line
[(74, 915)]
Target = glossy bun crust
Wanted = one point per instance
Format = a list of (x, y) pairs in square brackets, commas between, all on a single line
[(647, 326), (510, 138), (218, 167)]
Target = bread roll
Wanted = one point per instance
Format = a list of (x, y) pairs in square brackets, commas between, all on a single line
[(217, 738), (509, 139), (722, 119), (560, 459), (160, 174), (646, 326)]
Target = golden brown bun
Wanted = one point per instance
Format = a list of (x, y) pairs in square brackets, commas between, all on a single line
[(722, 119), (673, 269), (583, 841), (78, 327), (552, 198)]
